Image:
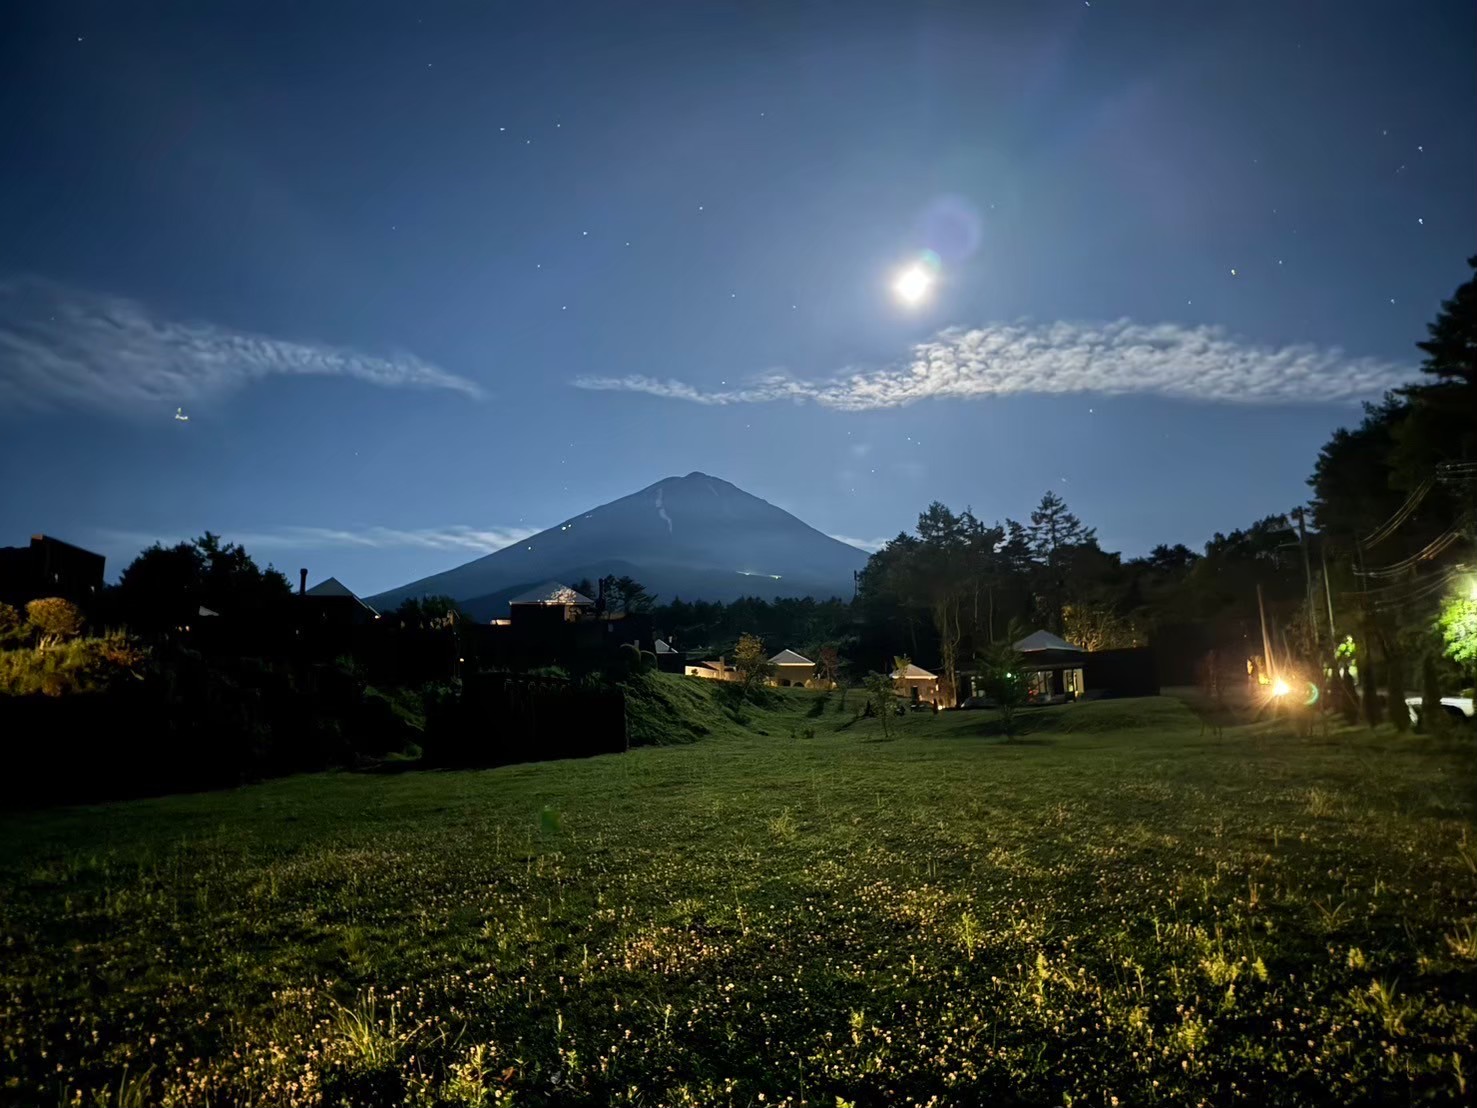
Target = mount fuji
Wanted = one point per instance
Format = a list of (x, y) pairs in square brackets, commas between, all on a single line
[(695, 537)]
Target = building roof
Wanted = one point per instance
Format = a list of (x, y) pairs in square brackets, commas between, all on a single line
[(664, 647), (333, 587), (553, 593), (706, 665), (790, 658), (914, 673), (1045, 640)]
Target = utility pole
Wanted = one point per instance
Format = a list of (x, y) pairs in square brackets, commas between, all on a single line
[(1307, 574), (1333, 637), (1364, 653), (1266, 642)]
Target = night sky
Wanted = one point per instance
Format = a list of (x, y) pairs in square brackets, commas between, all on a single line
[(426, 277)]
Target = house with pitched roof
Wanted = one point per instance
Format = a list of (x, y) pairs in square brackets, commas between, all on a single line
[(1057, 671), (331, 603), (791, 670), (917, 684)]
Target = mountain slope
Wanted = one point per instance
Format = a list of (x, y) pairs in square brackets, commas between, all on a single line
[(698, 537)]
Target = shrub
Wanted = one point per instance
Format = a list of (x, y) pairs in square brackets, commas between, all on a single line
[(54, 619), (78, 666), (13, 628), (1005, 682)]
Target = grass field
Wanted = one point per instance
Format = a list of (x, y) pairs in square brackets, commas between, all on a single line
[(1114, 910)]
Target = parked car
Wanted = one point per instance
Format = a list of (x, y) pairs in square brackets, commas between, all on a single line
[(1458, 707)]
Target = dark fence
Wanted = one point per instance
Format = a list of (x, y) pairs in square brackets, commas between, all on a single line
[(498, 719)]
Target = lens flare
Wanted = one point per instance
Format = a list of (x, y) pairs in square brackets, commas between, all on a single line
[(912, 284), (1280, 687)]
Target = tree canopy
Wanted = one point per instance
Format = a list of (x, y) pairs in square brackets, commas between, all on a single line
[(167, 585)]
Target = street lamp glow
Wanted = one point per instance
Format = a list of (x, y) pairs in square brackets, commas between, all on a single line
[(912, 284)]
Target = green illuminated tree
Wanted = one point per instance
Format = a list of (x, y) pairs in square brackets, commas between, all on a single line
[(751, 662), (1458, 626)]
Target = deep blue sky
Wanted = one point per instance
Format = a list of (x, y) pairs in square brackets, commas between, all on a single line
[(370, 250)]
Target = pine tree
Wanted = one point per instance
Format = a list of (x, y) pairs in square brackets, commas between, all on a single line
[(1053, 527), (1053, 531), (1442, 423), (1451, 351)]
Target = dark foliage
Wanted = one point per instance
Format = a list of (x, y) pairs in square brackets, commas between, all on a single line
[(192, 722), (499, 718)]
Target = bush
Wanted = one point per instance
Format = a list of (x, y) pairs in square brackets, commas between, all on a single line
[(105, 720), (54, 619), (13, 628), (67, 668), (1005, 682)]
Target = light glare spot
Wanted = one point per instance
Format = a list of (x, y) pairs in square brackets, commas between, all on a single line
[(912, 284)]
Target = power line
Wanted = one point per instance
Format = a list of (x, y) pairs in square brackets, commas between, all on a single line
[(1426, 553), (1402, 513)]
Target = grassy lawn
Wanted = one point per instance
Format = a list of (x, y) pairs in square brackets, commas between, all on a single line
[(1115, 906)]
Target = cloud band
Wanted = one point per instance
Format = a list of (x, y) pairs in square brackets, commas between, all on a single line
[(61, 347), (1201, 363)]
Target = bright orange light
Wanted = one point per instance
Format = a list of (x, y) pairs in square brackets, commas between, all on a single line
[(1281, 688)]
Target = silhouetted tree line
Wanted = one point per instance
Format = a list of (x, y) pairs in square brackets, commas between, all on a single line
[(1378, 579), (1395, 499)]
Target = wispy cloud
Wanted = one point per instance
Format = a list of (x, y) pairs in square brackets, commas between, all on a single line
[(458, 537), (1168, 359), (65, 347), (871, 546)]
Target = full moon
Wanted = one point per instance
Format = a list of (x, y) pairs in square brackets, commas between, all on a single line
[(912, 284)]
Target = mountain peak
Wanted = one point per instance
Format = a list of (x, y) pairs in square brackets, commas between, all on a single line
[(698, 537)]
